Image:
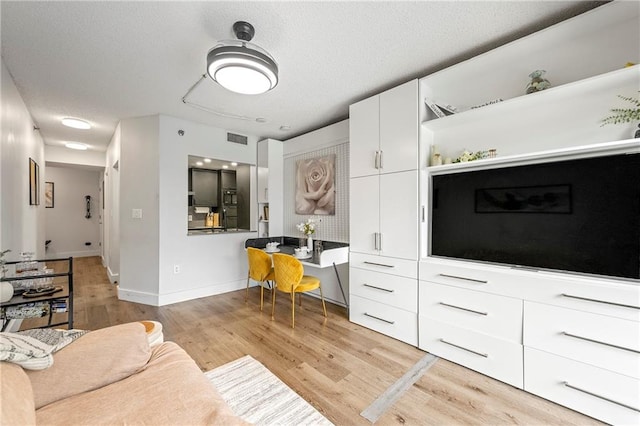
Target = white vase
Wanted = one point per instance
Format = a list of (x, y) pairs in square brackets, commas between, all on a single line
[(309, 243), (6, 292)]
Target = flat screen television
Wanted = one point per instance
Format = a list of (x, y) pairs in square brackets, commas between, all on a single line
[(579, 215)]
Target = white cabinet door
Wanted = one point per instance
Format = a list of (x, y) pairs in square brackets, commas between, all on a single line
[(364, 220), (263, 185), (364, 137), (399, 128), (399, 214)]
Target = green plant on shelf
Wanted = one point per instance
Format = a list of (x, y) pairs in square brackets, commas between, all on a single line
[(624, 115), (471, 156)]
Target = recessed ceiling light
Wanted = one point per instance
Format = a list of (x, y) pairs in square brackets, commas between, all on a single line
[(199, 163), (207, 160), (76, 123), (234, 164), (285, 127), (224, 166), (76, 145)]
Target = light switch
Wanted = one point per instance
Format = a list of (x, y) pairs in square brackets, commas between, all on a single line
[(136, 213)]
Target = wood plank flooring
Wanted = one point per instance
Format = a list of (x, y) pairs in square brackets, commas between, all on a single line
[(338, 366)]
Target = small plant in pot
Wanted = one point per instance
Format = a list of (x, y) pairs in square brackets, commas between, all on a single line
[(625, 115)]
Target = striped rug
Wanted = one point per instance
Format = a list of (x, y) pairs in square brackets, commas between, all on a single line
[(259, 397)]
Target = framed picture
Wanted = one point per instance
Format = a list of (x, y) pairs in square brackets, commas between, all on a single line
[(34, 183), (48, 195), (316, 186)]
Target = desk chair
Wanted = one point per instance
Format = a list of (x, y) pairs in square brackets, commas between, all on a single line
[(260, 270), (290, 279)]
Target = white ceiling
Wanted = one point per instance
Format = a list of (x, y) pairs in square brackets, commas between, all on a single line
[(106, 61)]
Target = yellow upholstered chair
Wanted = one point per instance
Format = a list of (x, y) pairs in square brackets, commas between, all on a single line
[(290, 279), (260, 270)]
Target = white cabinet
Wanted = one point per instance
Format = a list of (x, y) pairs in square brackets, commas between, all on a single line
[(383, 215), (383, 132), (270, 187)]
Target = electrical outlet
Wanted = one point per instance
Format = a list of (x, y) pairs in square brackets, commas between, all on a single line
[(176, 269), (136, 213)]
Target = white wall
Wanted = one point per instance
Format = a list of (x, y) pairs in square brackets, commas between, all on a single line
[(66, 224), (22, 225), (59, 156), (111, 220), (154, 178), (333, 139)]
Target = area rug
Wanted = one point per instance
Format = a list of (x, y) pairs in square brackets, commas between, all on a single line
[(259, 397)]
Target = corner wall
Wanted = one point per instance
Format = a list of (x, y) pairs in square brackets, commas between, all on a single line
[(22, 225)]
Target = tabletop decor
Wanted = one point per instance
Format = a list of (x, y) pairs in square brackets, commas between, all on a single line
[(308, 228), (538, 82), (625, 115), (316, 186)]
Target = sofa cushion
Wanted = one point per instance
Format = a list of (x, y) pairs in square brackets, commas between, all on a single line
[(16, 396), (170, 390), (94, 360)]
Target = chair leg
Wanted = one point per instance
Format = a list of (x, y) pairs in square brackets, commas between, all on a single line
[(246, 296), (324, 308), (293, 309), (273, 302), (261, 295), (300, 299)]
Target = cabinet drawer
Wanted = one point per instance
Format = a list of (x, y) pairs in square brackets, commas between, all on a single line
[(388, 265), (385, 319), (607, 297), (605, 395), (602, 341), (400, 292), (486, 313), (494, 357)]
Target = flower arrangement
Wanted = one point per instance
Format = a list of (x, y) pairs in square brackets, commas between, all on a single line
[(624, 115), (307, 228), (471, 156)]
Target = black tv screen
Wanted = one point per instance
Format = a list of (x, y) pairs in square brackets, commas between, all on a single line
[(578, 215)]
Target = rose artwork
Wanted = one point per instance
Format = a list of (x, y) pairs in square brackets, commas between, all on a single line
[(315, 186)]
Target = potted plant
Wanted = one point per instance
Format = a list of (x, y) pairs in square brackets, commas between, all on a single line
[(625, 115)]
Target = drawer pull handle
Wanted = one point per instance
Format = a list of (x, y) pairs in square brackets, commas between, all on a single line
[(567, 384), (464, 309), (378, 288), (378, 264), (379, 319), (464, 349), (464, 278), (600, 301), (575, 336)]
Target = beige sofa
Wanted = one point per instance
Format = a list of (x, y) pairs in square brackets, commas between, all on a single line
[(112, 376)]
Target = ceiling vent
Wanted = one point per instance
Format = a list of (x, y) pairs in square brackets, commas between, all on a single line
[(235, 138)]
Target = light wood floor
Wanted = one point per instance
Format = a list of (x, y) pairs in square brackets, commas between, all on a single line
[(338, 366)]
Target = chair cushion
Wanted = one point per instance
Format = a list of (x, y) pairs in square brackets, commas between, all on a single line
[(307, 283)]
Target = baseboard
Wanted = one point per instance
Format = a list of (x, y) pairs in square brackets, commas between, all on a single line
[(113, 277), (64, 254), (138, 297), (167, 299)]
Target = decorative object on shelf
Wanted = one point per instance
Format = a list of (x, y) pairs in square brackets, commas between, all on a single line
[(637, 133), (538, 82), (437, 160), (434, 108), (495, 101), (492, 153), (447, 109), (316, 186), (435, 155), (624, 115), (3, 269), (6, 292), (467, 156)]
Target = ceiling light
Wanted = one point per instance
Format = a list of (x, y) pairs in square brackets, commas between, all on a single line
[(224, 166), (234, 164), (76, 123), (76, 145), (199, 163), (207, 160), (240, 66)]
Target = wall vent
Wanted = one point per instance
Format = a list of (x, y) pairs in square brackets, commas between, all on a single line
[(232, 137)]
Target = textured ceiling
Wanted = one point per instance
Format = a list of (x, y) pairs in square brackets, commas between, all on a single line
[(106, 61)]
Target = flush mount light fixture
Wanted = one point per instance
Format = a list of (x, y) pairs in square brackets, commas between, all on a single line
[(199, 163), (207, 160), (76, 145), (234, 164), (76, 123), (224, 166), (240, 66)]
